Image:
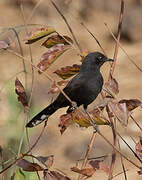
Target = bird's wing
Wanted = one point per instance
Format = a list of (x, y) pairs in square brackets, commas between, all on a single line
[(74, 84), (71, 90)]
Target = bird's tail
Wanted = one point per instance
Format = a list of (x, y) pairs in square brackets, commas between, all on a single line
[(42, 116)]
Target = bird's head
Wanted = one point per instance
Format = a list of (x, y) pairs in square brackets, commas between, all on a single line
[(95, 60)]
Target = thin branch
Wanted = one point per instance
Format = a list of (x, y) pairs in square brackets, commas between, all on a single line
[(113, 127), (94, 38), (135, 154), (136, 122), (119, 173), (87, 153), (69, 27), (118, 38), (37, 140), (122, 163), (129, 58), (139, 167), (33, 11), (20, 47)]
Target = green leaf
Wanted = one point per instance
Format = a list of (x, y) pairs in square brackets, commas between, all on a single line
[(39, 33), (19, 175)]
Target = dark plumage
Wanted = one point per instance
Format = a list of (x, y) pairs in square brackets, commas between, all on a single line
[(82, 89)]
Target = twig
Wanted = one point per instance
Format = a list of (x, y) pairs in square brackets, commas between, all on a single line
[(94, 37), (20, 47), (120, 173), (87, 153), (69, 27), (118, 38), (129, 58), (99, 157), (42, 131), (33, 11), (122, 163), (113, 127), (139, 167), (136, 122), (135, 154)]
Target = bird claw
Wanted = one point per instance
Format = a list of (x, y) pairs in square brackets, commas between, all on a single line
[(95, 126), (74, 105)]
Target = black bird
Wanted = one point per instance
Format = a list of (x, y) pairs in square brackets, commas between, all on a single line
[(82, 89)]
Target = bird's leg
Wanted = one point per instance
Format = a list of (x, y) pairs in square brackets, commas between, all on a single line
[(74, 105), (95, 126)]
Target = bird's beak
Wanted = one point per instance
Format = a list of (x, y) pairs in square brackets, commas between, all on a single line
[(110, 60)]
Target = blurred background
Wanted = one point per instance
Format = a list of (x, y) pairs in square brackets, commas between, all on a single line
[(72, 145)]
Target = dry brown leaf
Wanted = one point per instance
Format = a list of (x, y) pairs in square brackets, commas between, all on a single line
[(88, 171), (120, 111), (28, 166), (56, 39), (3, 45), (65, 121), (99, 165), (20, 91), (112, 86), (68, 71), (139, 148), (131, 103), (50, 56)]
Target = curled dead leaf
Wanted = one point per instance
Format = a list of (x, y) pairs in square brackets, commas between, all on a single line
[(112, 86), (88, 171), (20, 91), (131, 103), (28, 166), (50, 56), (56, 39), (65, 122), (99, 165), (92, 166), (139, 148), (3, 45), (68, 71), (120, 111), (39, 33)]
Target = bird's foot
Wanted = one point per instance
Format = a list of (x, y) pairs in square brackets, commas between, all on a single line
[(95, 126), (74, 105)]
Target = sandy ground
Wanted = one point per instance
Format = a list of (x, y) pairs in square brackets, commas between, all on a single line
[(72, 145)]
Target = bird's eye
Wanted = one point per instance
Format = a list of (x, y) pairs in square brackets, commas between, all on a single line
[(100, 58)]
